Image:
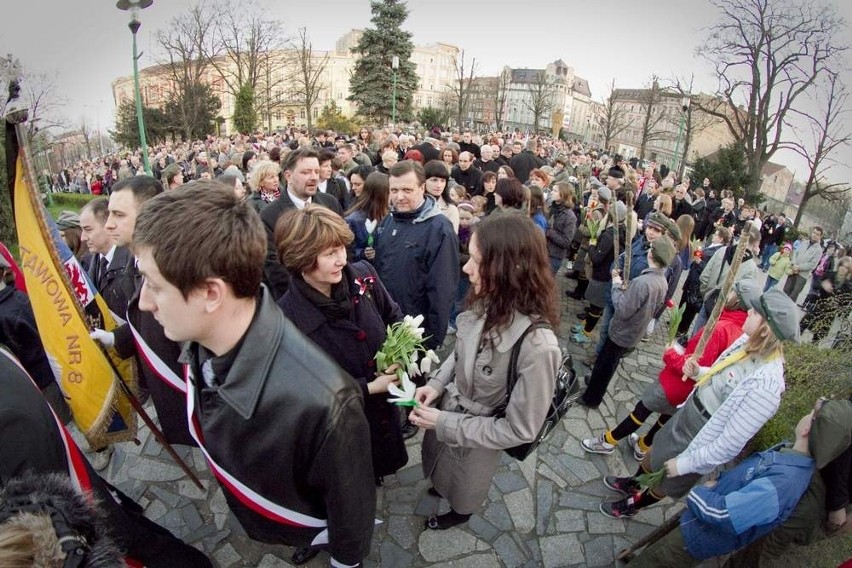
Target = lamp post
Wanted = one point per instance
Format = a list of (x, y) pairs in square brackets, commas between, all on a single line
[(684, 106), (134, 6), (394, 66)]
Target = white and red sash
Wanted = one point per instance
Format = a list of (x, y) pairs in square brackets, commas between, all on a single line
[(247, 496), (153, 361)]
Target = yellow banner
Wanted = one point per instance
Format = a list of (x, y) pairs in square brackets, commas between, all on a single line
[(64, 301)]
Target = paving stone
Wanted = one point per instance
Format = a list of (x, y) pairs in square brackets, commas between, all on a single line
[(427, 505), (509, 552), (148, 470), (577, 429), (271, 561), (210, 542), (577, 500), (218, 504), (545, 471), (498, 515), (527, 467), (409, 475), (167, 497), (582, 469), (437, 546), (200, 533), (599, 551), (520, 506), (226, 556), (599, 524), (482, 528), (189, 489), (191, 518), (562, 550), (400, 529), (405, 493), (508, 482), (474, 561), (544, 503), (393, 555), (155, 510), (570, 520)]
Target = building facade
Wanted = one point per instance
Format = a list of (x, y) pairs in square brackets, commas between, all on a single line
[(278, 104)]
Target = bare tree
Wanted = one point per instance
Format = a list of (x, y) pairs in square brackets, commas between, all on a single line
[(186, 44), (460, 88), (86, 131), (540, 102), (829, 131), (614, 119), (501, 94), (654, 115), (767, 54), (244, 34), (307, 83), (276, 72), (696, 121)]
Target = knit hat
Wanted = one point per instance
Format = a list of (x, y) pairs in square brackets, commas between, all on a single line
[(663, 250), (780, 313), (747, 291), (658, 220), (604, 194), (67, 220)]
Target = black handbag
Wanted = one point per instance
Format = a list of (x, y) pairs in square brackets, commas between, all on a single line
[(566, 392)]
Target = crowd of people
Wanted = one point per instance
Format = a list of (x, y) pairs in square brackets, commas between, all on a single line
[(257, 276)]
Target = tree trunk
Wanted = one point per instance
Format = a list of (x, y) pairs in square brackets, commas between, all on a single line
[(755, 167)]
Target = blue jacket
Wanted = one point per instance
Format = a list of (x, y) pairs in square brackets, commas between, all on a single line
[(417, 258), (357, 223), (748, 502)]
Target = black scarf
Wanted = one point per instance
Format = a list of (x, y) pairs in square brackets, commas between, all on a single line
[(337, 307)]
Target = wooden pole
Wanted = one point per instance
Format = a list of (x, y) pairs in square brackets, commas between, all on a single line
[(628, 554), (630, 230), (723, 293)]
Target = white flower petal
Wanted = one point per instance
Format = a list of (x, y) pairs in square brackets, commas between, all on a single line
[(395, 391), (433, 356), (415, 356), (425, 365), (418, 320)]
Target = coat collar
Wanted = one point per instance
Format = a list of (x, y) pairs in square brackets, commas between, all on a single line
[(242, 387), (470, 325)]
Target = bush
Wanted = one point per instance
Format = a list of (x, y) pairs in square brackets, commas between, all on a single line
[(77, 200), (810, 373)]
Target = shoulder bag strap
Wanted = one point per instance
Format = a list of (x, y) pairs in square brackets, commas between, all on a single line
[(512, 375)]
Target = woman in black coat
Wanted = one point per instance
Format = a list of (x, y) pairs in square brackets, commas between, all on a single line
[(344, 309)]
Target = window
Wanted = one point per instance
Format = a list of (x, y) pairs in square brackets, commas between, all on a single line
[(302, 113)]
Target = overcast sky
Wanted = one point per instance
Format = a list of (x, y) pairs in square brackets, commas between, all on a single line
[(86, 43)]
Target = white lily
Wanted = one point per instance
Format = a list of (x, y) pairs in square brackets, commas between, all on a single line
[(428, 359), (415, 356), (413, 369), (371, 225), (405, 395), (414, 324)]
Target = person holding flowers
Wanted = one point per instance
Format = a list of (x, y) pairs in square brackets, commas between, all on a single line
[(731, 401), (512, 286), (671, 390), (363, 217), (344, 309)]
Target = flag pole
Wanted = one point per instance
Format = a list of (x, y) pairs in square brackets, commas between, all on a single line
[(18, 116)]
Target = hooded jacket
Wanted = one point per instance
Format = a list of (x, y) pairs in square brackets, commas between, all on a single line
[(417, 258)]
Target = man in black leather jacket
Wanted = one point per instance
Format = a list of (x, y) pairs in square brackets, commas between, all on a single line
[(281, 425)]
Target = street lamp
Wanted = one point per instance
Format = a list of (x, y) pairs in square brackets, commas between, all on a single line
[(394, 66), (684, 106), (134, 6)]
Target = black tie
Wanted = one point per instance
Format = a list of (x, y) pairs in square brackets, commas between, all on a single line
[(103, 264)]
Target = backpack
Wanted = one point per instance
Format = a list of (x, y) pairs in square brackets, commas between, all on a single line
[(566, 392)]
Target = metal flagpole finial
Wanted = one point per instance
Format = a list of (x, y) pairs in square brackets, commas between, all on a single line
[(16, 109)]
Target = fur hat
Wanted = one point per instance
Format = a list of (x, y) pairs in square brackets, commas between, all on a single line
[(663, 250), (47, 507)]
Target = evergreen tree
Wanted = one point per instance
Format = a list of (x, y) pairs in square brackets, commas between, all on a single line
[(245, 115), (726, 169), (126, 131), (371, 85), (192, 111)]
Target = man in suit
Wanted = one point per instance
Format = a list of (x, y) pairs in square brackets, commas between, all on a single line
[(109, 260), (302, 174), (142, 335)]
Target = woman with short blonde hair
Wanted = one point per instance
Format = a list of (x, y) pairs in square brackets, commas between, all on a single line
[(265, 183)]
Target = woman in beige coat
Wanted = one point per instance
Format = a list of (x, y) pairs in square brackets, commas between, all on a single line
[(511, 287)]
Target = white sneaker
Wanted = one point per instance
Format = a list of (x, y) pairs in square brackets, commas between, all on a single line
[(597, 445), (100, 460), (638, 454)]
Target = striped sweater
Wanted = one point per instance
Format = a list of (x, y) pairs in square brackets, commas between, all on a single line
[(745, 410)]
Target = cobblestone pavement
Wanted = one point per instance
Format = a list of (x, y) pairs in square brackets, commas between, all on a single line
[(540, 512)]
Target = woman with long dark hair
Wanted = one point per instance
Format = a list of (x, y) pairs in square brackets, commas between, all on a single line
[(512, 287), (371, 205)]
